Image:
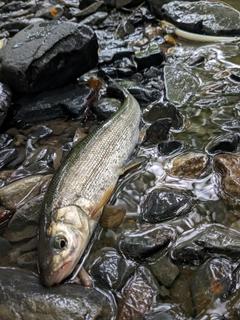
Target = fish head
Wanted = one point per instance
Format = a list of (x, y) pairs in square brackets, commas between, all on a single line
[(62, 243)]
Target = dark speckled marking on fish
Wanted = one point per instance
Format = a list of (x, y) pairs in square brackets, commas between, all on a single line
[(81, 187)]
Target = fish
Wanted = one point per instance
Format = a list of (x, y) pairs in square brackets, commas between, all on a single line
[(81, 187)]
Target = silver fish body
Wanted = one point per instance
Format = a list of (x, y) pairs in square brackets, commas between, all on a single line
[(81, 187)]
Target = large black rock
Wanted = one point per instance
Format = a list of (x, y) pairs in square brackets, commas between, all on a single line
[(23, 297), (48, 55), (204, 17)]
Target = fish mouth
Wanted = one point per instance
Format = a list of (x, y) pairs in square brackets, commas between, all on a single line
[(55, 277)]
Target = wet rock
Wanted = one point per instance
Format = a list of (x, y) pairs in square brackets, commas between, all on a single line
[(158, 131), (138, 296), (117, 72), (144, 243), (189, 165), (142, 94), (95, 18), (44, 154), (5, 247), (165, 271), (125, 28), (164, 204), (227, 166), (5, 140), (70, 101), (40, 132), (27, 214), (19, 192), (50, 12), (7, 155), (117, 60), (181, 83), (5, 100), (113, 55), (164, 110), (204, 17), (209, 240), (48, 55), (152, 56), (210, 284), (14, 26), (61, 302), (232, 125), (15, 6), (37, 168), (88, 6), (24, 223), (105, 107), (223, 143), (166, 148), (109, 269)]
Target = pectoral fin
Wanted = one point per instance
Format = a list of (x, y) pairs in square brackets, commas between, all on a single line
[(132, 164), (96, 212)]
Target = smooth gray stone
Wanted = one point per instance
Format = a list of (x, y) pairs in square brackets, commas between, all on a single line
[(23, 297)]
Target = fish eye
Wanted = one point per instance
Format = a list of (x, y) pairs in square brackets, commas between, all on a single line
[(59, 242)]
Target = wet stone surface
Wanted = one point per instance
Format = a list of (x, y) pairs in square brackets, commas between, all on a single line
[(35, 59), (66, 301), (163, 204), (168, 241), (203, 17)]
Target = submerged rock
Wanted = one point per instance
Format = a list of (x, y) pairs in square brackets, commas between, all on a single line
[(7, 155), (40, 132), (164, 204), (158, 131), (209, 240), (181, 83), (165, 271), (162, 111), (211, 282), (109, 269), (224, 143), (204, 17), (138, 296), (227, 166), (190, 165), (169, 147), (48, 55), (145, 243), (5, 140), (61, 302)]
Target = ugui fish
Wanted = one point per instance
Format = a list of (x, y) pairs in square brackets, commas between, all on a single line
[(81, 187)]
